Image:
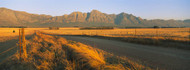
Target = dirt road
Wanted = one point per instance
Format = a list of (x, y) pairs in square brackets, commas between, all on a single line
[(163, 58)]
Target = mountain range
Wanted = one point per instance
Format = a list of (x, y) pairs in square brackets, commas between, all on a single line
[(10, 17)]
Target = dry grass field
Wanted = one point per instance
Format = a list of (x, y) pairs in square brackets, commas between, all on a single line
[(141, 35), (7, 33), (164, 37), (181, 34), (47, 52), (53, 52)]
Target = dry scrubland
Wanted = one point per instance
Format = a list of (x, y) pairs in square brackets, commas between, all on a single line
[(47, 52), (7, 33)]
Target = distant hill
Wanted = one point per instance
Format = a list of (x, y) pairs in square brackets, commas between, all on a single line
[(187, 21), (94, 18)]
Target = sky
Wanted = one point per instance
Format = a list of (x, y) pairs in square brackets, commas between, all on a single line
[(146, 9)]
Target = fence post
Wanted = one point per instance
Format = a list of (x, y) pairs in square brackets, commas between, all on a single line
[(156, 33), (189, 35), (20, 42), (135, 32), (24, 44)]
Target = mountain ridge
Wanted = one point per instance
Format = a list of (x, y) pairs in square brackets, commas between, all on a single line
[(10, 17)]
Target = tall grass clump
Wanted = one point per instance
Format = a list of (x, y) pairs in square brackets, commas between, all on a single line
[(84, 53)]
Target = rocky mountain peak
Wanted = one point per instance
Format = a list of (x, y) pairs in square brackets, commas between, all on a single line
[(10, 17)]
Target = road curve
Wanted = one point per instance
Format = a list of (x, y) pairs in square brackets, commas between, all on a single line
[(157, 57)]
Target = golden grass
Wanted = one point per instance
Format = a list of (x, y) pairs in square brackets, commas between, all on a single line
[(181, 34), (7, 33), (94, 58), (164, 37), (56, 53)]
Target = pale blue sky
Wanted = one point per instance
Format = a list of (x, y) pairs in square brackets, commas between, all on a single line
[(147, 9)]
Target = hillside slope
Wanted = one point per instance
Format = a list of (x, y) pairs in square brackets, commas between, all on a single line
[(10, 17)]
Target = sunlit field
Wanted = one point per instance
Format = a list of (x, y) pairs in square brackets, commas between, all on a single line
[(48, 51), (181, 34), (53, 52), (97, 35), (7, 33)]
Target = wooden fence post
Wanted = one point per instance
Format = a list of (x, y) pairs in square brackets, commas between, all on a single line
[(156, 33), (24, 44), (135, 32), (20, 43)]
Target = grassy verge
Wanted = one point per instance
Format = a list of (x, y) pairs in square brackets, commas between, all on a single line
[(47, 52)]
